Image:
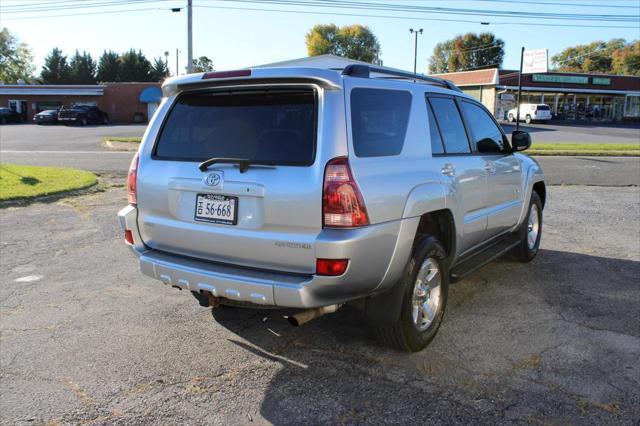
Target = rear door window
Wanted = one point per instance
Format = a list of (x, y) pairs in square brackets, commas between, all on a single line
[(379, 121), (271, 127), (451, 126), (485, 132)]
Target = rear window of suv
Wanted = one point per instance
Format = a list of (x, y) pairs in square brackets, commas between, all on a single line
[(379, 121), (272, 127)]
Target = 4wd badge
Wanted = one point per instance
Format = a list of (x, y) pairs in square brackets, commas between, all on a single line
[(214, 179)]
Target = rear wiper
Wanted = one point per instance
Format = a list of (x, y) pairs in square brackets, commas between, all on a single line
[(243, 163)]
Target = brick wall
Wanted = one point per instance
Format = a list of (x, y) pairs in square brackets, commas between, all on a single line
[(121, 101)]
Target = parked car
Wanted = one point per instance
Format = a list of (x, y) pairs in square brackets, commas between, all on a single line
[(49, 116), (312, 188), (7, 115), (531, 113), (83, 115)]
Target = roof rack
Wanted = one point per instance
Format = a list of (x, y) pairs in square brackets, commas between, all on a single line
[(364, 71)]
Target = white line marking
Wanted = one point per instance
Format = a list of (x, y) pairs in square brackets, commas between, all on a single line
[(28, 279)]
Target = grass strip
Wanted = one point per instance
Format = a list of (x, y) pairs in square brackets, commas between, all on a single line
[(20, 182), (586, 149), (133, 139)]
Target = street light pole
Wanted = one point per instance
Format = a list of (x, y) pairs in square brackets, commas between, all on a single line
[(415, 53), (190, 36)]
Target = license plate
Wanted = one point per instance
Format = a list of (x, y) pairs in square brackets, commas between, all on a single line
[(217, 209)]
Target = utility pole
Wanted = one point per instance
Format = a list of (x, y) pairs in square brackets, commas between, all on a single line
[(177, 55), (415, 52), (166, 61), (519, 90), (190, 36)]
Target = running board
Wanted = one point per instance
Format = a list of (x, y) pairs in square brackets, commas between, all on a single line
[(476, 261)]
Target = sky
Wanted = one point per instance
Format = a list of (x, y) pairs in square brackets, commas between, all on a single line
[(240, 38)]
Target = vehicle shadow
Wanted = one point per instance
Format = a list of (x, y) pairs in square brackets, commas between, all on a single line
[(502, 343)]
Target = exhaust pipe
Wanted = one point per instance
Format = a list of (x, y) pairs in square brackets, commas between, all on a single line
[(310, 314)]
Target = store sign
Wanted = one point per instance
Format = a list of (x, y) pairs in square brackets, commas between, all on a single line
[(534, 61), (601, 81), (550, 78)]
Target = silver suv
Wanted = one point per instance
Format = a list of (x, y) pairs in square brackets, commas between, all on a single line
[(313, 188)]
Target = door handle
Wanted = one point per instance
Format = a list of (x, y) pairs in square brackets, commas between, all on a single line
[(490, 167), (448, 170)]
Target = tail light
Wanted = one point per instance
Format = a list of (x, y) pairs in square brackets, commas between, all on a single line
[(331, 267), (128, 236), (132, 194), (342, 203)]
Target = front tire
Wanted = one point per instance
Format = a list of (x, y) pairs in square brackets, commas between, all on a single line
[(84, 121), (530, 231), (425, 285), (511, 118)]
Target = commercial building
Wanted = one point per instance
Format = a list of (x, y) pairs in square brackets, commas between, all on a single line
[(571, 96), (124, 102)]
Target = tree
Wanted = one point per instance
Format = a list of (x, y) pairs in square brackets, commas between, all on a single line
[(467, 52), (82, 69), (108, 67), (159, 70), (202, 64), (626, 61), (596, 57), (351, 41), (56, 70), (134, 66), (16, 60)]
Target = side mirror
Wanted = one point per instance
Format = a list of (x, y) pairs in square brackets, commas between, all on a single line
[(520, 140)]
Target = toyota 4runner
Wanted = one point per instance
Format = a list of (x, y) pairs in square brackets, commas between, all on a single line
[(312, 188)]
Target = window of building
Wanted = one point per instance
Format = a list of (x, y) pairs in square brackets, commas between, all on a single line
[(632, 107)]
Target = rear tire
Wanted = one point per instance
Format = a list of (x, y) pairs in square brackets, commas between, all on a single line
[(425, 285), (511, 118), (83, 122), (528, 119), (530, 231)]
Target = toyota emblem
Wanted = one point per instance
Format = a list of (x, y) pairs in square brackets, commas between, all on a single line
[(213, 179)]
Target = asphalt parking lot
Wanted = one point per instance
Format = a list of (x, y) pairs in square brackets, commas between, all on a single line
[(86, 339)]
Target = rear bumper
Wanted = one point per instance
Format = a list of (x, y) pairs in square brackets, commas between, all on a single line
[(371, 252)]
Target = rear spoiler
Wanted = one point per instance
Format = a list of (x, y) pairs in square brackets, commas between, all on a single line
[(322, 77)]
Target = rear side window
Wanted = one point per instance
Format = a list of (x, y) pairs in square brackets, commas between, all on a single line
[(272, 127), (379, 121), (434, 133), (451, 127), (542, 108)]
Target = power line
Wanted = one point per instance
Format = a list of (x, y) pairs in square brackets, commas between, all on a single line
[(85, 13), (413, 18), (541, 3), (593, 52), (395, 7), (83, 5)]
